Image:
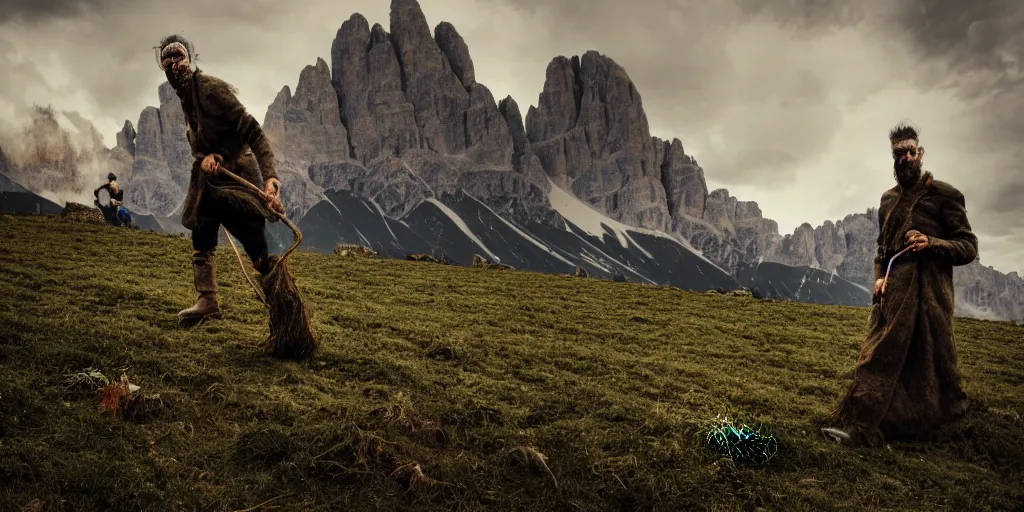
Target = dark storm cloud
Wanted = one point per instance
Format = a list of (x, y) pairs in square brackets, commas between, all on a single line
[(116, 68), (34, 11)]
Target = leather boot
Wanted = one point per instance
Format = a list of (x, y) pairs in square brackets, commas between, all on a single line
[(205, 270)]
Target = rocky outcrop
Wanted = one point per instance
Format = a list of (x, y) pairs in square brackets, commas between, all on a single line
[(149, 142), (455, 49), (829, 245), (984, 292), (846, 247), (306, 128), (58, 157), (3, 161), (430, 84), (126, 138), (176, 150), (393, 115), (412, 107), (154, 186), (591, 135), (797, 249), (368, 82), (686, 192), (156, 160)]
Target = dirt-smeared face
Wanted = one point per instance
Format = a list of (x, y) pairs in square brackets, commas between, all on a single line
[(907, 162), (174, 59)]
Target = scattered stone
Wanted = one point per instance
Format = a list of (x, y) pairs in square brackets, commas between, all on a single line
[(442, 353), (422, 257), (481, 262), (354, 250)]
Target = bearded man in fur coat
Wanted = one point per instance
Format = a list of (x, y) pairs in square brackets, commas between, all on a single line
[(907, 380), (220, 132)]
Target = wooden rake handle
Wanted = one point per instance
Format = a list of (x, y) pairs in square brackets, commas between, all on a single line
[(295, 229)]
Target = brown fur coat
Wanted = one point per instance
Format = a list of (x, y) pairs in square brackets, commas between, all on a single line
[(907, 379), (218, 123)]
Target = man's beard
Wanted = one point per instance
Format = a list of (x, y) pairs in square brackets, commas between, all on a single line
[(907, 173), (177, 76)]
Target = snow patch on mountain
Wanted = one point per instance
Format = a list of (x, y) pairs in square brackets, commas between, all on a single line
[(593, 222), (525, 235), (462, 225), (588, 219)]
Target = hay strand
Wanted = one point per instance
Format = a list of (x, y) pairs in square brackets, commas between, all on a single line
[(291, 332), (241, 264)]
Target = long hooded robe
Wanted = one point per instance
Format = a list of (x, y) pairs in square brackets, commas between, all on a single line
[(907, 379)]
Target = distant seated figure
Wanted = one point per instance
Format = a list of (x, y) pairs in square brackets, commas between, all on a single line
[(113, 212)]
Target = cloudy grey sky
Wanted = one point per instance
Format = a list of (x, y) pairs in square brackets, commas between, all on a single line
[(786, 102)]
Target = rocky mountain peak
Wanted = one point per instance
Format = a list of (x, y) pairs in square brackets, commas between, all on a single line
[(166, 93), (455, 49), (306, 127), (126, 138), (590, 132), (509, 110), (686, 191)]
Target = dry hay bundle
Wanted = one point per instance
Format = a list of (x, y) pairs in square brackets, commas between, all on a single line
[(77, 212), (291, 332)]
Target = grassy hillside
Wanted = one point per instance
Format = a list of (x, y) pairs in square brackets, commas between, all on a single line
[(454, 369)]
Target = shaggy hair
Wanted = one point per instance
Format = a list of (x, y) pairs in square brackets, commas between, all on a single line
[(903, 131)]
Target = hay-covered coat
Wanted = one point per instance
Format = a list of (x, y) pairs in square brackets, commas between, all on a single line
[(218, 123), (907, 379)]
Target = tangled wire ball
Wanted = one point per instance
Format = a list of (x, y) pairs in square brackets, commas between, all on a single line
[(743, 444)]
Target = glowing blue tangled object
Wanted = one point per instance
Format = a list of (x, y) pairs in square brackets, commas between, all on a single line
[(743, 444)]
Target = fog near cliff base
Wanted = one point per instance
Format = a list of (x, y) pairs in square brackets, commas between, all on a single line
[(784, 102)]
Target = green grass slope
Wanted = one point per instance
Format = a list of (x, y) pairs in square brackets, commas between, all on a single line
[(433, 378)]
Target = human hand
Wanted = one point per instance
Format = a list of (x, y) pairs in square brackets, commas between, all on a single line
[(878, 287), (917, 240), (272, 188), (211, 163)]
